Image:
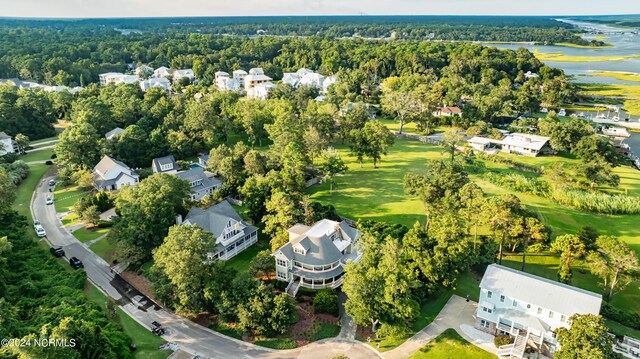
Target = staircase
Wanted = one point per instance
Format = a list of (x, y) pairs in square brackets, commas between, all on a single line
[(292, 288), (515, 350)]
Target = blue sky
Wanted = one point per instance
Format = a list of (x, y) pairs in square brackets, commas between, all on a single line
[(128, 8)]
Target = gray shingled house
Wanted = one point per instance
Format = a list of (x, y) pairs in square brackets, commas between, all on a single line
[(232, 234)]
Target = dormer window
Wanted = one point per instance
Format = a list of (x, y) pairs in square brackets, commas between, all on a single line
[(166, 167), (299, 250)]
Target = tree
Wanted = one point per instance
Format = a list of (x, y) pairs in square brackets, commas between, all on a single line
[(254, 163), (182, 257), (569, 246), (403, 105), (147, 210), (282, 212), (331, 165), (22, 141), (373, 141), (78, 148), (253, 116), (614, 262), (587, 337), (263, 264), (91, 215), (7, 191), (451, 140), (439, 186), (504, 216), (533, 230), (472, 201), (314, 142), (94, 112), (84, 178)]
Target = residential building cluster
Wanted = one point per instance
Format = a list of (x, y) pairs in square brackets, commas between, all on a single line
[(148, 78), (31, 85)]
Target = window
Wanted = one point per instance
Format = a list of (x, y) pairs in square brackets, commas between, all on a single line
[(528, 306), (502, 299), (298, 250), (515, 304), (281, 275), (281, 262), (489, 294), (539, 310), (484, 323), (563, 318), (488, 310), (550, 314)]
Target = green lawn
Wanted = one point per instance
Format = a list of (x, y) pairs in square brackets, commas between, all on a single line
[(70, 219), (65, 197), (85, 235), (277, 343), (378, 194), (450, 345), (325, 331), (146, 342), (619, 329), (37, 142), (26, 188), (104, 249), (241, 262), (225, 329), (41, 155)]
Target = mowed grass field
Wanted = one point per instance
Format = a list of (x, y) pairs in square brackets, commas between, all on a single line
[(448, 345), (378, 194)]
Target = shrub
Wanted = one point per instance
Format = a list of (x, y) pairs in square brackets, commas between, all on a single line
[(631, 320), (105, 224), (326, 301), (597, 202), (520, 183), (501, 340), (48, 163)]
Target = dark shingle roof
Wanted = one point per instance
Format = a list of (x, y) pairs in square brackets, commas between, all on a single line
[(215, 218), (158, 162)]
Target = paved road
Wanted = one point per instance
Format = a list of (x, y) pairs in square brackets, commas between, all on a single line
[(191, 337), (40, 148)]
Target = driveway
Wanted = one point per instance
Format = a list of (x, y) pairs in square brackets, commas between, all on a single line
[(191, 337), (456, 312)]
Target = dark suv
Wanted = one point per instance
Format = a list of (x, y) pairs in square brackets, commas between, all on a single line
[(76, 263), (57, 251)]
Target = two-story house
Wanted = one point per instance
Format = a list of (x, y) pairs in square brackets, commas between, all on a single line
[(528, 308), (166, 164), (112, 175), (202, 183), (315, 256), (231, 233)]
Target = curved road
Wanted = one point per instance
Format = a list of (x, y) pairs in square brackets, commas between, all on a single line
[(191, 337)]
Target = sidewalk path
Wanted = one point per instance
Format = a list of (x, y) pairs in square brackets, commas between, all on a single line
[(455, 313)]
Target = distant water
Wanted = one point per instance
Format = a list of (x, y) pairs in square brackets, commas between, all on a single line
[(634, 143)]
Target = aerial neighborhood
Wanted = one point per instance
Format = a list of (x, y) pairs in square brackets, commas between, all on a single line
[(370, 187)]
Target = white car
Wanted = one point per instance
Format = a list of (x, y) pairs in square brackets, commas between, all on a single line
[(40, 232), (49, 200)]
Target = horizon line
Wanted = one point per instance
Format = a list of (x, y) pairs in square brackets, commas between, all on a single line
[(58, 18)]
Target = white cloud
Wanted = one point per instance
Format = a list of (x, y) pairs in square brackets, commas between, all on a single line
[(146, 8)]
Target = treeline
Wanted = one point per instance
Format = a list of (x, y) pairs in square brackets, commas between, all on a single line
[(76, 58), (457, 28), (31, 113), (40, 300)]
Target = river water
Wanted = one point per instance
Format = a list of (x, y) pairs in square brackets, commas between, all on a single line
[(626, 42)]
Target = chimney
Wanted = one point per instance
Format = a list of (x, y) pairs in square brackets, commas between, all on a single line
[(179, 219)]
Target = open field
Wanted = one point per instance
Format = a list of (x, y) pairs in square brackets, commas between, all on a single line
[(146, 342), (378, 194), (557, 56), (41, 155), (450, 344), (26, 188), (36, 143)]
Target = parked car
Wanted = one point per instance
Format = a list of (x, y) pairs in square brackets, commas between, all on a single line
[(36, 223), (40, 232), (49, 200), (76, 263), (57, 251), (52, 182)]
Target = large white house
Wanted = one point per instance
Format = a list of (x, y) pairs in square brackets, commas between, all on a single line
[(260, 91), (239, 75), (155, 82), (112, 175), (231, 233), (315, 256), (528, 308), (117, 78), (183, 73), (251, 81), (6, 144), (525, 144)]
